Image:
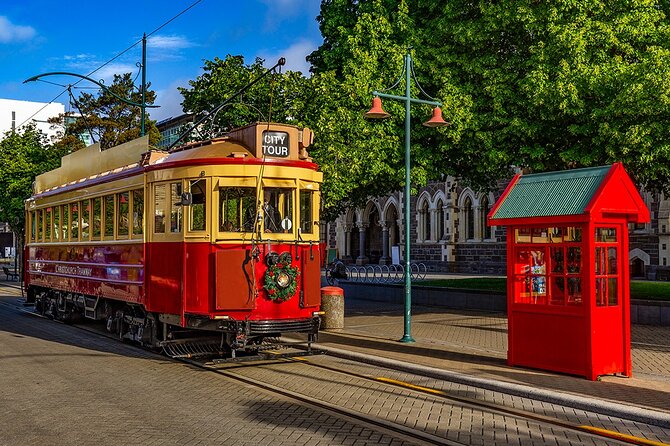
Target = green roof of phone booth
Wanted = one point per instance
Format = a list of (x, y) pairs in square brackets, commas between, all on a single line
[(565, 192)]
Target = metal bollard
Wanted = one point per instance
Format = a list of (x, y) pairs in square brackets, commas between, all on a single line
[(332, 304)]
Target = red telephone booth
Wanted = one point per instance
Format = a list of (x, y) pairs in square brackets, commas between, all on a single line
[(568, 284)]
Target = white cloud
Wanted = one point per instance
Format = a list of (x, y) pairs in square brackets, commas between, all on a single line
[(167, 48), (14, 33), (295, 56), (169, 100), (168, 42)]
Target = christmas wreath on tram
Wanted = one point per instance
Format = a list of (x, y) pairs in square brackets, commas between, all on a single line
[(280, 280)]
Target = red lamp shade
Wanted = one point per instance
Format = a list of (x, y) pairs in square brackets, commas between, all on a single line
[(376, 112), (436, 120)]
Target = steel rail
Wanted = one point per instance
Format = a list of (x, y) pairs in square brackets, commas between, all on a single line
[(493, 407)]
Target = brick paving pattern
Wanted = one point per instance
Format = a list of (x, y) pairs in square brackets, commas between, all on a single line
[(64, 386), (160, 402)]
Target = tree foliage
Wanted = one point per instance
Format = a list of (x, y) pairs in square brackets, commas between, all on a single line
[(539, 85), (279, 97), (364, 45), (25, 155), (109, 120)]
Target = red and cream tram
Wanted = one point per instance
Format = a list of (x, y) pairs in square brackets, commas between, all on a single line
[(219, 236)]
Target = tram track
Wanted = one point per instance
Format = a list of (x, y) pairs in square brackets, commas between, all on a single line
[(479, 404), (389, 427), (401, 432)]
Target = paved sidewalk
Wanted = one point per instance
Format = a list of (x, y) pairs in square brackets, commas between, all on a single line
[(474, 345)]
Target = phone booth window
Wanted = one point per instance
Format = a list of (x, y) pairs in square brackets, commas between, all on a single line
[(531, 278), (606, 267), (548, 266)]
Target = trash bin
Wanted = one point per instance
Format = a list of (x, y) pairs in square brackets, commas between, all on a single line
[(332, 304)]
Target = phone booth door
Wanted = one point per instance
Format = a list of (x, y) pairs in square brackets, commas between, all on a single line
[(610, 305)]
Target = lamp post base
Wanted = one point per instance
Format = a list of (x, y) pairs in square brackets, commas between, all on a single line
[(406, 338)]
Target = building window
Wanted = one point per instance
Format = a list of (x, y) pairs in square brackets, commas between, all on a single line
[(469, 214), (439, 220), (424, 222)]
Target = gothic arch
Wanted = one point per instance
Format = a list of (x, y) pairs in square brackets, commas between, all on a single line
[(637, 253), (465, 193), (350, 216), (440, 195), (424, 196), (365, 213), (391, 205)]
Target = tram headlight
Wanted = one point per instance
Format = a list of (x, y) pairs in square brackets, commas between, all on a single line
[(283, 279), (271, 258), (286, 258)]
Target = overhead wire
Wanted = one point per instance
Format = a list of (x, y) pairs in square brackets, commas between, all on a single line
[(109, 61)]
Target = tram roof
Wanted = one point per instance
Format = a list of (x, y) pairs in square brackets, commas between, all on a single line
[(241, 144)]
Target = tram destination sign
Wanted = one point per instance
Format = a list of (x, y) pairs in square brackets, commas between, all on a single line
[(276, 144)]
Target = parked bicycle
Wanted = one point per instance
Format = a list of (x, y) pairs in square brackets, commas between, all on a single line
[(336, 270)]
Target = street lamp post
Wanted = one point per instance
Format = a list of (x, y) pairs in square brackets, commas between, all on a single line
[(376, 112)]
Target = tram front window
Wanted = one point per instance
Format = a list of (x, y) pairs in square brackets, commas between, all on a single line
[(277, 209), (237, 207)]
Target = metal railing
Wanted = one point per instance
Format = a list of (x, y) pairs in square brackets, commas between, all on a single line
[(374, 273)]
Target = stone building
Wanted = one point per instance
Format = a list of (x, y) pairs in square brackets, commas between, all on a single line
[(449, 233)]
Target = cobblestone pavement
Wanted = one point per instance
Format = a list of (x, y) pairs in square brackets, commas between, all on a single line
[(475, 343), (161, 402), (64, 386)]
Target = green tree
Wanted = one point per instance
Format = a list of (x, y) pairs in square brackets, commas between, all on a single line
[(25, 155), (553, 85), (109, 120), (363, 50), (278, 98), (539, 85)]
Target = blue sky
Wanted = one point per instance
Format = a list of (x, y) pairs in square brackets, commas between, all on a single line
[(40, 36)]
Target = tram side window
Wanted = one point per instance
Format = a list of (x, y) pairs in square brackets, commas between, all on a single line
[(74, 222), (237, 207), (33, 226), (198, 208), (160, 206), (109, 217), (56, 224), (138, 213), (175, 208), (306, 222), (47, 225), (85, 219), (40, 226), (96, 218), (122, 220), (65, 227), (277, 206)]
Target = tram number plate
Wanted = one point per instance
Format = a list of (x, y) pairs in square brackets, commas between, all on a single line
[(275, 144)]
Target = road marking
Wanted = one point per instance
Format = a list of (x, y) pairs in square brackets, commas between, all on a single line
[(623, 437), (410, 386), (594, 430)]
